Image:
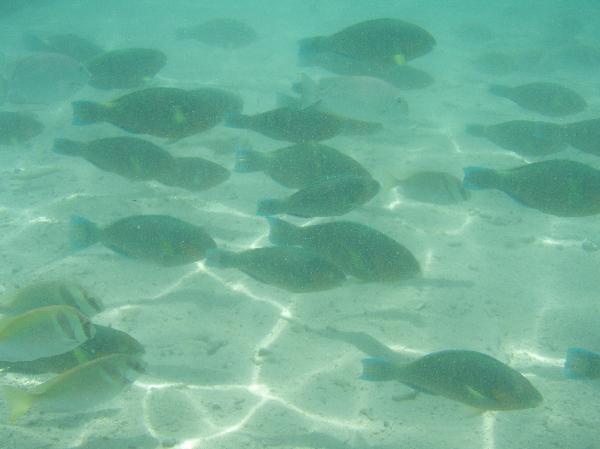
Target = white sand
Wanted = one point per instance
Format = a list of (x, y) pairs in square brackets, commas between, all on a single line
[(225, 371)]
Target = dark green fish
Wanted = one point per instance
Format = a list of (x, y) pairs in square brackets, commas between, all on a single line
[(106, 341), (358, 250), (18, 127), (130, 157), (558, 187), (125, 69), (582, 364), (161, 111), (298, 166), (526, 137), (292, 268), (69, 44), (329, 197), (193, 173), (158, 239), (549, 99), (226, 33), (469, 377), (433, 187), (584, 135), (386, 41)]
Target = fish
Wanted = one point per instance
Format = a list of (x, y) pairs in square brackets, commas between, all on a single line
[(80, 388), (220, 32), (193, 173), (559, 187), (550, 99), (328, 197), (159, 239), (356, 97), (167, 112), (294, 269), (298, 166), (43, 332), (358, 250), (18, 127), (582, 364), (130, 157), (469, 377), (51, 293), (525, 137), (433, 187), (68, 44), (126, 68), (105, 341), (45, 78), (584, 135), (385, 41)]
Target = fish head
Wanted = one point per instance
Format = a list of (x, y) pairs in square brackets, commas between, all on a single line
[(76, 296)]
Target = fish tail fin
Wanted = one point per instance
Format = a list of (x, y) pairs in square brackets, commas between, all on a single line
[(282, 233), (236, 120), (499, 90), (247, 160), (269, 206), (309, 47), (578, 361), (479, 178), (378, 370), (475, 130), (220, 258), (87, 112), (19, 402), (309, 91), (68, 147), (83, 232)]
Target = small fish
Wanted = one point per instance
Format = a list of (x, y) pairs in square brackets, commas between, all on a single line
[(525, 137), (68, 44), (133, 158), (158, 239), (18, 127), (221, 32), (433, 187), (386, 41), (51, 293), (298, 166), (557, 187), (469, 377), (358, 250), (161, 111), (43, 332), (328, 197), (45, 78), (292, 268), (80, 388), (549, 99), (582, 364), (126, 68), (193, 173), (584, 135), (106, 341)]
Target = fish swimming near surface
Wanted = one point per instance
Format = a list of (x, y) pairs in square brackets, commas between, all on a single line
[(195, 174), (68, 44), (582, 364), (220, 32), (300, 165), (18, 127), (525, 137), (470, 377), (161, 111), (548, 99), (43, 332), (50, 293), (293, 268), (433, 187), (584, 135), (558, 187), (159, 239), (358, 250)]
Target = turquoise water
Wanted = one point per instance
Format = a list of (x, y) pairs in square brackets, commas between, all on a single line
[(226, 368)]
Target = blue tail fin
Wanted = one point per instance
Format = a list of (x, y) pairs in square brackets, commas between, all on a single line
[(582, 364), (479, 178), (269, 206), (247, 161), (378, 370), (220, 258), (282, 233), (87, 112), (83, 233), (68, 147)]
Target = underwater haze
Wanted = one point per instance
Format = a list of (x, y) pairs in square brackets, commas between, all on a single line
[(331, 224)]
